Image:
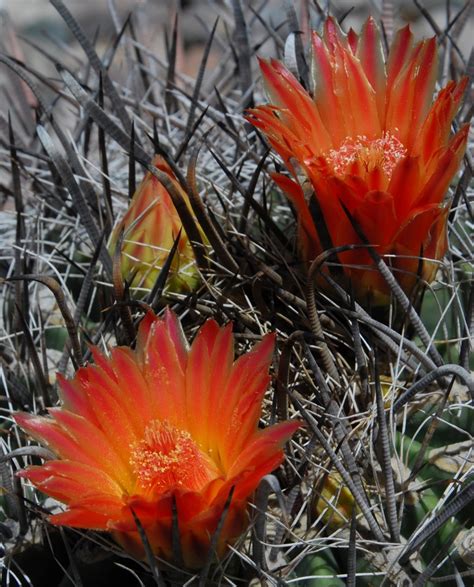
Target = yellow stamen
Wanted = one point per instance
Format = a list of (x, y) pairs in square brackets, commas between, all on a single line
[(167, 458), (384, 152)]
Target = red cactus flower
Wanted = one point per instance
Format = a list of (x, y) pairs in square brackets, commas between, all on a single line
[(150, 227), (369, 139), (164, 424)]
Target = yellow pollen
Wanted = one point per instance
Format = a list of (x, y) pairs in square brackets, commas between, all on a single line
[(167, 458), (384, 152)]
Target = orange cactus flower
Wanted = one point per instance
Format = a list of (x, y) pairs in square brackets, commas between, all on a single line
[(150, 227), (370, 138), (163, 426)]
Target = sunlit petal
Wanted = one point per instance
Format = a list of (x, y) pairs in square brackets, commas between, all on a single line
[(163, 428)]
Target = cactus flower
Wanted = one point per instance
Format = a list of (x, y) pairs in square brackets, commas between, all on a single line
[(150, 227), (334, 503), (160, 427), (368, 138)]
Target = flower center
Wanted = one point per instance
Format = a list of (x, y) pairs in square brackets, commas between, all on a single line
[(384, 152), (167, 458)]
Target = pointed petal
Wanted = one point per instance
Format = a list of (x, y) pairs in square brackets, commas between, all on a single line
[(195, 539), (260, 457), (81, 518), (92, 479), (48, 432), (371, 56), (74, 396), (95, 444), (342, 86), (436, 245), (300, 113), (176, 334), (75, 484), (362, 98), (246, 415), (221, 359), (400, 52), (325, 91), (333, 35), (158, 535), (94, 512), (280, 136), (331, 191), (376, 217), (165, 377), (144, 329), (423, 233), (424, 89), (353, 40), (447, 164), (198, 376), (133, 391), (190, 505), (308, 238), (209, 364), (248, 367), (103, 362), (405, 185), (110, 411), (437, 126), (148, 511), (60, 488), (413, 232), (409, 98)]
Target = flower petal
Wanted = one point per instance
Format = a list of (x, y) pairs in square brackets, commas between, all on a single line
[(176, 334), (325, 91), (425, 233), (409, 98), (400, 53), (437, 126), (50, 433), (423, 87), (414, 232), (308, 237), (90, 480), (110, 412), (260, 457), (95, 444), (74, 396), (103, 362), (405, 185), (246, 415), (300, 113), (209, 364), (245, 370), (370, 54), (165, 377), (447, 164), (81, 518), (141, 419), (353, 40), (198, 377), (109, 390), (376, 217)]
